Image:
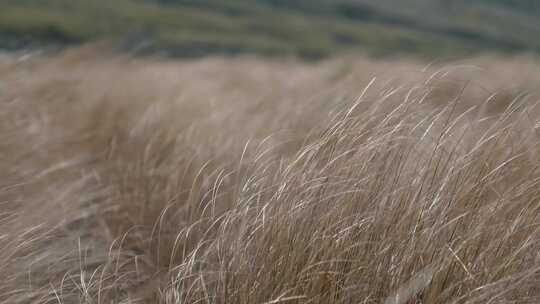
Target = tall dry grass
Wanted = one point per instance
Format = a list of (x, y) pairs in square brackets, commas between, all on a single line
[(243, 181)]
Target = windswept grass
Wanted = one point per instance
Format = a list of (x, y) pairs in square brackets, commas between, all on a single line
[(242, 181)]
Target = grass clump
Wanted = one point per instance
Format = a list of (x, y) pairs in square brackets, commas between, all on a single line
[(241, 181)]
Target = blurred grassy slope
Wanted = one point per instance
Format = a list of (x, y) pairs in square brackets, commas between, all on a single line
[(310, 29)]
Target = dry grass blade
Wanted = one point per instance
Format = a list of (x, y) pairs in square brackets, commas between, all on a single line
[(247, 181)]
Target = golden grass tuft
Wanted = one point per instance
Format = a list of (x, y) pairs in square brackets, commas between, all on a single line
[(246, 181)]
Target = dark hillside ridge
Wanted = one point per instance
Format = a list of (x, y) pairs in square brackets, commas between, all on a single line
[(309, 29)]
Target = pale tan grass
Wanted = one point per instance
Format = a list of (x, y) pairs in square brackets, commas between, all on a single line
[(130, 180)]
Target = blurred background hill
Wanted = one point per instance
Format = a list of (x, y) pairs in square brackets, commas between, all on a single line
[(305, 28)]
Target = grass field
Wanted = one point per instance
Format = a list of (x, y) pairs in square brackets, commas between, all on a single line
[(308, 29), (241, 180)]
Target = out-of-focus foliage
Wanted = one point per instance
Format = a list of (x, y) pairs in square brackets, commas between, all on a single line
[(309, 29)]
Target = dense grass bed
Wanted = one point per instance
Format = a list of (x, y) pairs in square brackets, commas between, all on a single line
[(237, 180)]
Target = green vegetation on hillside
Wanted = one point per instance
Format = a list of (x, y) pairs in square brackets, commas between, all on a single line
[(309, 29)]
